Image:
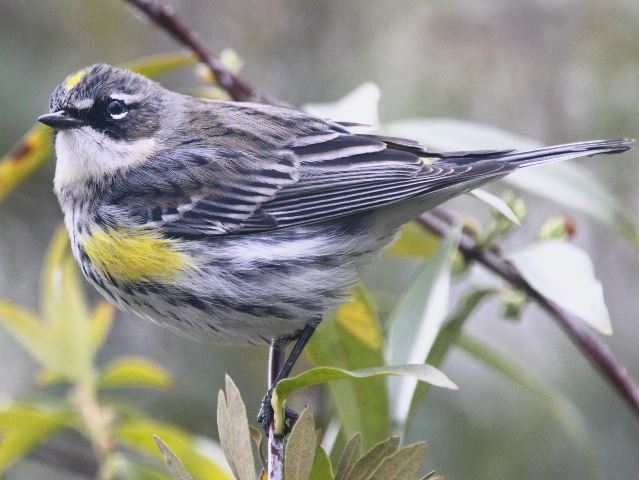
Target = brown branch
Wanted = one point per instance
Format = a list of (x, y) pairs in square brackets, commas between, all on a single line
[(592, 347), (164, 16)]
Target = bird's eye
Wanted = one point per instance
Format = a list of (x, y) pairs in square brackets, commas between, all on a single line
[(116, 109)]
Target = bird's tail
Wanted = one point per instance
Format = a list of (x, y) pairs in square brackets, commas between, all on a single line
[(562, 152)]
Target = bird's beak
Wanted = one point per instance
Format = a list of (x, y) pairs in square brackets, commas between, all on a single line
[(60, 120)]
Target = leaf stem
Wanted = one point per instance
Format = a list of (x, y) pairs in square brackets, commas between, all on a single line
[(98, 421)]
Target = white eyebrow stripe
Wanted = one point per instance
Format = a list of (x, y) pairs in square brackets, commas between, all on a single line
[(84, 104), (126, 98)]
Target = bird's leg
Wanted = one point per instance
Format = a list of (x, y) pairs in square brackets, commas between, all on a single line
[(276, 354)]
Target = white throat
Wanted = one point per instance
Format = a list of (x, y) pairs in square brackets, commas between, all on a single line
[(86, 154)]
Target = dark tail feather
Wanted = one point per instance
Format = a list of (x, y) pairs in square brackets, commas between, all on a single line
[(564, 152), (567, 151)]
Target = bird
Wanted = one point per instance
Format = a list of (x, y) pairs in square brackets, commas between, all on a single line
[(238, 222)]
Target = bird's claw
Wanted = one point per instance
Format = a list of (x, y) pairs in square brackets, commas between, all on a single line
[(265, 415)]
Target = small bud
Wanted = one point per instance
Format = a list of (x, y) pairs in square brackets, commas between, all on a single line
[(514, 302), (559, 227)]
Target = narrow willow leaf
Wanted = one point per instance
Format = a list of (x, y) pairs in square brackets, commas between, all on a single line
[(234, 432), (256, 435), (352, 339), (64, 310), (403, 464), (24, 426), (358, 106), (300, 448), (134, 372), (100, 324), (26, 156), (415, 322), (560, 407), (576, 188), (137, 434), (450, 332), (26, 328), (173, 463), (366, 465), (564, 273), (414, 241), (350, 456), (568, 184), (496, 203), (154, 66), (317, 375), (240, 440), (322, 467)]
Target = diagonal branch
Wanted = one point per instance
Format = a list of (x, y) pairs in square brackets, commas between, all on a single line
[(594, 349), (164, 16)]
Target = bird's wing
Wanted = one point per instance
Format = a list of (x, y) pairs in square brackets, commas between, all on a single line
[(272, 167)]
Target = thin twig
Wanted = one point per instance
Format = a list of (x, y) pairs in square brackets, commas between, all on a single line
[(276, 441), (165, 17), (596, 351)]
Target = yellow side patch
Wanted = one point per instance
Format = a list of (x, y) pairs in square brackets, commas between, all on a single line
[(73, 79), (135, 255)]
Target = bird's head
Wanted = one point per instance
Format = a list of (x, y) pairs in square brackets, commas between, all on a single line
[(113, 102), (106, 119)]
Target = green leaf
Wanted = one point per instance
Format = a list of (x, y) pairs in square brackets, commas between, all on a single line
[(137, 434), (322, 467), (496, 203), (451, 331), (414, 241), (350, 456), (564, 273), (568, 184), (233, 429), (416, 320), (560, 407), (25, 327), (300, 448), (575, 187), (353, 339), (173, 463), (403, 464), (365, 466), (26, 156), (24, 426), (65, 312), (358, 106), (317, 375), (134, 372), (100, 324), (154, 66)]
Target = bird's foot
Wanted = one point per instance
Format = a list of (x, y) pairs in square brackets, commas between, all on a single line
[(265, 416)]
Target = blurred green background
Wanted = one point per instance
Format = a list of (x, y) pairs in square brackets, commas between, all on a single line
[(557, 71)]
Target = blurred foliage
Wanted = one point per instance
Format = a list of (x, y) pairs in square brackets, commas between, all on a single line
[(353, 350)]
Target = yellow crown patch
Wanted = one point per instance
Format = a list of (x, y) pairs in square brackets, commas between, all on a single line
[(73, 79)]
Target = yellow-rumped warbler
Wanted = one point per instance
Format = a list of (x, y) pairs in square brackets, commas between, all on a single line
[(240, 222)]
